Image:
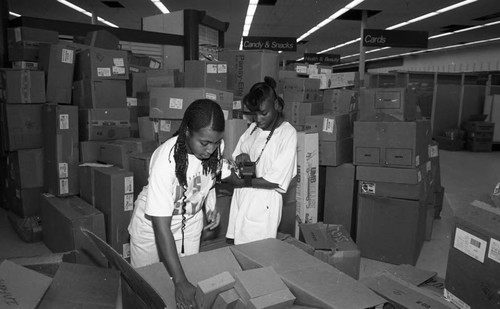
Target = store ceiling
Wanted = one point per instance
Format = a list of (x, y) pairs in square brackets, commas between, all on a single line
[(292, 18)]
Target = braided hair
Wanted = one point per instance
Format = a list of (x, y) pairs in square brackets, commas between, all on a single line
[(200, 114), (261, 92)]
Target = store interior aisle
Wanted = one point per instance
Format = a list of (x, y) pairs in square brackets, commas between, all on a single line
[(466, 176)]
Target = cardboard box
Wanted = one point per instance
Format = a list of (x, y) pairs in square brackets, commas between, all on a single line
[(333, 245), (21, 126), (390, 230), (139, 166), (411, 184), (208, 289), (137, 108), (226, 300), (62, 220), (399, 103), (23, 42), (60, 150), (89, 151), (313, 282), (296, 112), (58, 63), (100, 124), (340, 197), (97, 64), (82, 286), (246, 68), (336, 80), (282, 74), (234, 129), (26, 168), (472, 279), (89, 93), (159, 130), (162, 78), (141, 63), (206, 74), (28, 65), (307, 179), (102, 39), (171, 103), (280, 300), (117, 152), (257, 282), (331, 127), (335, 153), (22, 86), (136, 83), (391, 144), (116, 201), (301, 90), (340, 100), (21, 286), (23, 202)]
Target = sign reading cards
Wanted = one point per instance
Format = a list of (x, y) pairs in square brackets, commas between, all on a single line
[(395, 38), (271, 43), (322, 58)]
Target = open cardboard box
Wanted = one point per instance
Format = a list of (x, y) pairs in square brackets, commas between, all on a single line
[(313, 282)]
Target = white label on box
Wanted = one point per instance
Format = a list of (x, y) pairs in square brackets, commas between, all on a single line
[(455, 300), (63, 170), (128, 202), (126, 250), (156, 124), (103, 72), (328, 125), (118, 70), (63, 186), (118, 62), (131, 102), (237, 104), (469, 244), (226, 114), (67, 56), (433, 151), (494, 251), (17, 34), (129, 184), (211, 96), (419, 176), (417, 160), (368, 187), (175, 103), (222, 68), (64, 121), (211, 68), (301, 69), (165, 125), (428, 166)]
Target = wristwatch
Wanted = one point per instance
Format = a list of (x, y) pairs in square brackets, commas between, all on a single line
[(248, 180)]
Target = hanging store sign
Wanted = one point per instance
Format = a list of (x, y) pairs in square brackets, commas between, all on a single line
[(395, 38), (271, 43), (329, 59)]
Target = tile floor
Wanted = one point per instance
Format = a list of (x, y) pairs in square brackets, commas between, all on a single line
[(465, 175)]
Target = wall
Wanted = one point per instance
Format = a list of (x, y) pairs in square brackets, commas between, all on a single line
[(480, 58)]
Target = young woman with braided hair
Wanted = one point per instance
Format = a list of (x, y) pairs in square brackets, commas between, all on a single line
[(167, 221), (270, 142)]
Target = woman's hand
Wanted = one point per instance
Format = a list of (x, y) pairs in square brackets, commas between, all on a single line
[(184, 295), (242, 158), (213, 217)]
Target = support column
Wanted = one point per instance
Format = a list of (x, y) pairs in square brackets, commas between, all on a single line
[(362, 50), (4, 24), (191, 34)]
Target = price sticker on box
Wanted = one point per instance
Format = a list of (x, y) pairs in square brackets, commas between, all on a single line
[(211, 68), (128, 202), (103, 72), (64, 121), (328, 125), (63, 186), (118, 70), (67, 56), (367, 187), (211, 96), (129, 184), (63, 170), (119, 62), (165, 125), (470, 244), (222, 68), (175, 103)]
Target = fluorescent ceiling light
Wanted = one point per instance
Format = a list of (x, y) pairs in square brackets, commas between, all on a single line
[(445, 9), (14, 14), (464, 30), (431, 14), (330, 19), (79, 9), (252, 7), (160, 6)]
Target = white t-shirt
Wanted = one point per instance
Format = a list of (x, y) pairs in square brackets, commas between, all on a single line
[(163, 196), (255, 213)]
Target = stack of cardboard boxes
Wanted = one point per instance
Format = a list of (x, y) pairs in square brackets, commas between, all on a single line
[(391, 154)]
